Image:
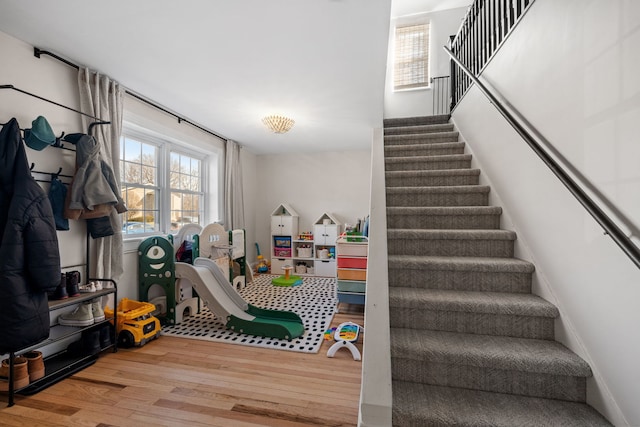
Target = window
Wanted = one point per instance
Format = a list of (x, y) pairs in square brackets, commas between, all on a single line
[(185, 186), (411, 57), (162, 186), (140, 185)]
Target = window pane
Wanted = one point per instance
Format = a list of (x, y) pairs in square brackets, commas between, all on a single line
[(148, 175), (195, 183), (149, 155), (185, 164), (175, 162), (149, 200), (176, 202), (132, 149)]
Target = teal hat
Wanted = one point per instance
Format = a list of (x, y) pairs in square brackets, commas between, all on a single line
[(40, 135)]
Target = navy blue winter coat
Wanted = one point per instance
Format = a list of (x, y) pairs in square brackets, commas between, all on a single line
[(29, 254)]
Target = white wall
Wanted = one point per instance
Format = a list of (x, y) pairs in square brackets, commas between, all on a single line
[(571, 68), (334, 182), (419, 102)]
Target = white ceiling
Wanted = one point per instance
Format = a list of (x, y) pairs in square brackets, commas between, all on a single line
[(226, 64)]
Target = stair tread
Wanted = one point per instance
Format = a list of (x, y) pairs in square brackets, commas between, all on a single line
[(438, 172), (435, 146), (416, 121), (399, 233), (437, 158), (407, 130), (487, 351), (421, 404), (441, 189), (424, 135), (488, 264), (503, 303), (444, 210)]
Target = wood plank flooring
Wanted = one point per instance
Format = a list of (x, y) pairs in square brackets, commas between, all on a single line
[(181, 382)]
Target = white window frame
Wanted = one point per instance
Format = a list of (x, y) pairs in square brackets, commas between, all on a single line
[(426, 82), (166, 145)]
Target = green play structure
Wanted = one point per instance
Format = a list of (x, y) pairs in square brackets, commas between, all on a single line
[(176, 288)]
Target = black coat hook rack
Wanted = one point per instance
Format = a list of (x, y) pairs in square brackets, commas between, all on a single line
[(49, 101), (91, 125), (56, 174)]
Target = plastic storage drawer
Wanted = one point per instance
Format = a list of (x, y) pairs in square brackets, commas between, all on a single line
[(349, 274), (346, 249), (352, 263), (351, 286)]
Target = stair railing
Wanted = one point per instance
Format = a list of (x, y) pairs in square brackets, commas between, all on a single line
[(484, 29), (526, 131)]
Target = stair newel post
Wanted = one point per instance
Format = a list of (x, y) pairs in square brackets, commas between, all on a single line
[(453, 79)]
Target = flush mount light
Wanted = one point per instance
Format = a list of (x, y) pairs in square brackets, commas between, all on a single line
[(278, 124)]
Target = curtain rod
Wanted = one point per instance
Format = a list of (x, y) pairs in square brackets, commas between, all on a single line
[(37, 52)]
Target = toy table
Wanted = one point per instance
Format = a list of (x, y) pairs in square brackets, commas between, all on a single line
[(346, 334)]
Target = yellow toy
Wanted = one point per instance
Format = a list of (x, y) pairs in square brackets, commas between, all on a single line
[(136, 326)]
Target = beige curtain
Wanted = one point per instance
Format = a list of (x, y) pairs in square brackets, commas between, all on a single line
[(233, 195), (102, 97)]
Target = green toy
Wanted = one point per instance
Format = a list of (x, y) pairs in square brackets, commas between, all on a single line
[(287, 279)]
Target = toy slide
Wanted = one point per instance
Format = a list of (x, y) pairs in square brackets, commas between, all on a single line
[(224, 301)]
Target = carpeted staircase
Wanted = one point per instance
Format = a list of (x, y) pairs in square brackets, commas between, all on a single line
[(470, 344)]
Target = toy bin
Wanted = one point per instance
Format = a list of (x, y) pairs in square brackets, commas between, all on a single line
[(282, 241), (304, 252), (348, 274), (353, 250), (282, 252), (352, 263)]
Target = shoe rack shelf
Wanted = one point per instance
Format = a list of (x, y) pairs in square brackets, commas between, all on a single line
[(63, 364)]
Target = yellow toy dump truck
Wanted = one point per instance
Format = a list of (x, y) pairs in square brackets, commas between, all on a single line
[(136, 326)]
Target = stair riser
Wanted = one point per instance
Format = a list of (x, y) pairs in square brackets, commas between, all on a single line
[(430, 247), (444, 222), (488, 379), (427, 165), (473, 323), (482, 281), (431, 181), (413, 199), (423, 150), (412, 130), (421, 139)]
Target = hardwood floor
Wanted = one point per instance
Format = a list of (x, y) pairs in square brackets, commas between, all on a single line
[(182, 382)]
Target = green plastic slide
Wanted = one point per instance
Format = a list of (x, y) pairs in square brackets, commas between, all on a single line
[(224, 301)]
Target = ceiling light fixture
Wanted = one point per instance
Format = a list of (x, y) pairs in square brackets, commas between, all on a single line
[(278, 124)]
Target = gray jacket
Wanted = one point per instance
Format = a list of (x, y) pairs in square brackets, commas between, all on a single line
[(94, 182)]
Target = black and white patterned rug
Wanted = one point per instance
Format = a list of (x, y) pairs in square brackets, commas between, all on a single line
[(314, 301)]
